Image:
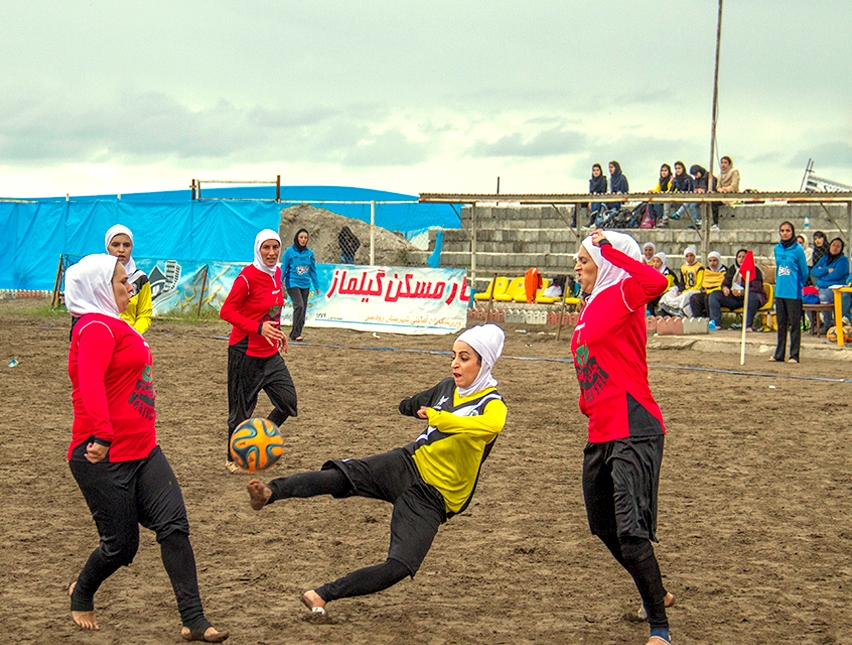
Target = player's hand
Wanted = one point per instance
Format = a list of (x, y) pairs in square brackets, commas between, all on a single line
[(597, 236), (96, 452), (422, 412), (283, 345), (726, 291), (271, 333)]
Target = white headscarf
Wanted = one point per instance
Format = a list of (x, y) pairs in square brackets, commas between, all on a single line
[(663, 258), (608, 273), (715, 254), (487, 341), (130, 265), (260, 238), (690, 249), (88, 286), (652, 245)]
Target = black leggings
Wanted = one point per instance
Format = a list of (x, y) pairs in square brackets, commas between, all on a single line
[(637, 556), (121, 496), (789, 311), (358, 583), (299, 297), (247, 376)]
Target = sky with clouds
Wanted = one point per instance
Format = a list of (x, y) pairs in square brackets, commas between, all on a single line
[(109, 96)]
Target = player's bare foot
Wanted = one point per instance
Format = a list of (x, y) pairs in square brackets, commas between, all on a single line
[(642, 615), (312, 601), (209, 635), (259, 494), (656, 640), (83, 619), (792, 360)]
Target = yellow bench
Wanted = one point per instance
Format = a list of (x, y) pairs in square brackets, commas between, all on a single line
[(498, 285)]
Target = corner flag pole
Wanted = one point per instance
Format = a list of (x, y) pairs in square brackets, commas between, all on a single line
[(745, 317)]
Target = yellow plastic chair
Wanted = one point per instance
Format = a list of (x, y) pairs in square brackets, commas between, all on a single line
[(498, 284), (545, 283), (515, 288)]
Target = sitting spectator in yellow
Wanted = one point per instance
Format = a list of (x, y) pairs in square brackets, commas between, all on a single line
[(675, 302), (712, 281), (731, 295), (659, 263)]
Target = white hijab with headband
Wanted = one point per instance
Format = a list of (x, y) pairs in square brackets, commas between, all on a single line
[(487, 341), (608, 273), (130, 265), (663, 259), (88, 286), (263, 236)]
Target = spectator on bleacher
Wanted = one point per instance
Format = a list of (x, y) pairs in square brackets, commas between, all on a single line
[(820, 247), (648, 251), (731, 296), (617, 183), (664, 185), (729, 178), (683, 183), (676, 303), (704, 183), (714, 274), (791, 272), (832, 269), (597, 186), (659, 262)]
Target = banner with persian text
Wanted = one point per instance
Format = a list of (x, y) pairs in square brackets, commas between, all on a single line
[(401, 300)]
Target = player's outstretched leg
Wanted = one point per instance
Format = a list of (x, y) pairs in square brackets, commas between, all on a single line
[(259, 494), (83, 619)]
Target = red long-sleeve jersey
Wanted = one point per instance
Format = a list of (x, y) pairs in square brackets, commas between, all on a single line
[(113, 387), (609, 354), (255, 298)]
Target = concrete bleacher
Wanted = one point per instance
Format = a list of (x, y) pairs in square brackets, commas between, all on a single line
[(511, 239)]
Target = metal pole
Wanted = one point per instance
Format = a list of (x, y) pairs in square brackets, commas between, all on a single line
[(473, 245), (849, 230), (372, 233), (201, 295), (277, 188), (715, 99), (498, 184)]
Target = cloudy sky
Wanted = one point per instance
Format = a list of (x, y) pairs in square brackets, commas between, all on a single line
[(108, 96)]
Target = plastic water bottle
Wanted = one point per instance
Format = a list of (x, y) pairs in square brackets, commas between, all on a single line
[(807, 221)]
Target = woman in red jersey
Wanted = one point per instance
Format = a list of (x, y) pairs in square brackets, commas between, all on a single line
[(621, 464), (114, 456), (253, 307)]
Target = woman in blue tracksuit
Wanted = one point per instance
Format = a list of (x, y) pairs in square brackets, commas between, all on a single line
[(831, 269), (791, 272), (299, 270)]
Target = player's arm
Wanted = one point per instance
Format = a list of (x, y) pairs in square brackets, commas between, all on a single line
[(411, 404), (485, 426), (645, 282), (95, 347), (144, 309), (231, 308)]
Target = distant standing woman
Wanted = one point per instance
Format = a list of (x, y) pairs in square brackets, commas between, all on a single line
[(119, 243), (253, 307), (300, 272), (791, 272)]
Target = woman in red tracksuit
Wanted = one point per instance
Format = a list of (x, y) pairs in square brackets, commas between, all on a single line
[(114, 456), (253, 307), (621, 464)]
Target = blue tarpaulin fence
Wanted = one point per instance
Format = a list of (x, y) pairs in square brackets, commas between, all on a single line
[(33, 235)]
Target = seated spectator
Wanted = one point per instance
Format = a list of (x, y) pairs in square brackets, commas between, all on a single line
[(683, 183), (617, 183), (597, 186), (556, 287), (712, 281), (692, 272), (820, 247), (729, 178), (831, 270), (731, 295), (659, 262), (648, 251), (809, 252), (703, 183), (664, 185)]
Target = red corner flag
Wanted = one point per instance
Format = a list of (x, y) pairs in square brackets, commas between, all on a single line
[(748, 266)]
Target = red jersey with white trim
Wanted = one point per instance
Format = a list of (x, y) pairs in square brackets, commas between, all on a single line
[(113, 387), (255, 298), (608, 347)]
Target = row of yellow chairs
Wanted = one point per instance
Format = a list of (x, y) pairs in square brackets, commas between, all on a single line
[(513, 290)]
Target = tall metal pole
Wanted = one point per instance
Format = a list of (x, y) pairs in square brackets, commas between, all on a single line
[(372, 233), (710, 187)]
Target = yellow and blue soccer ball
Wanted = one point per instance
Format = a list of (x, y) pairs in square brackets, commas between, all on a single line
[(831, 334), (256, 445)]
